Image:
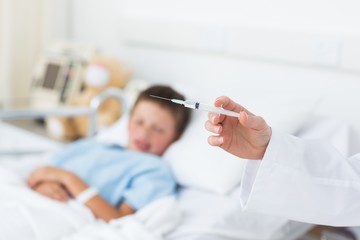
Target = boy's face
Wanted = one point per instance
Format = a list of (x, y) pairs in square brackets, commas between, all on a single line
[(151, 128)]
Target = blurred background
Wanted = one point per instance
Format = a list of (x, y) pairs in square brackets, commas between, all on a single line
[(187, 41), (239, 48)]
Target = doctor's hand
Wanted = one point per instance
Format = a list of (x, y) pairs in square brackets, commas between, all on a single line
[(245, 137)]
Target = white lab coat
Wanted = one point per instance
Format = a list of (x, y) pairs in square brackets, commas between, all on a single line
[(303, 180)]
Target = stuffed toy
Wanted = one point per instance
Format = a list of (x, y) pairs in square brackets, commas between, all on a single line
[(101, 73)]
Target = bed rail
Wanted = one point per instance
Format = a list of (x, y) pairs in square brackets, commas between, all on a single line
[(91, 111)]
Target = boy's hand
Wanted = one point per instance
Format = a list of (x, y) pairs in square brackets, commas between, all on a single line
[(52, 190), (245, 137), (68, 180), (47, 174)]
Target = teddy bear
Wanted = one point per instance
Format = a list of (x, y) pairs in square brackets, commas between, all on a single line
[(102, 72)]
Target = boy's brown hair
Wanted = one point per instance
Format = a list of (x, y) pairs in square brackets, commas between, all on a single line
[(180, 113)]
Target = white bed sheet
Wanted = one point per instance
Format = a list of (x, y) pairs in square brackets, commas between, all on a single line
[(205, 215), (208, 216), (24, 151), (26, 214)]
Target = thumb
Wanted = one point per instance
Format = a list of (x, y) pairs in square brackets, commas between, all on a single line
[(31, 182), (252, 121)]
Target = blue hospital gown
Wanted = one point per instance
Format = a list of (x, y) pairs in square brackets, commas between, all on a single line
[(119, 174)]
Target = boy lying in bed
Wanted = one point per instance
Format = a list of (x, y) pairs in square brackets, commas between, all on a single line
[(114, 181)]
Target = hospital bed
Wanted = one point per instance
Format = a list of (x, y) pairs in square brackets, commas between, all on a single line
[(207, 207)]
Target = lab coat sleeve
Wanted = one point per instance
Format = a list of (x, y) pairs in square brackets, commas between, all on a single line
[(303, 180)]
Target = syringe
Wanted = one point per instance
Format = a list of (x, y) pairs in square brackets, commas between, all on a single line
[(200, 106)]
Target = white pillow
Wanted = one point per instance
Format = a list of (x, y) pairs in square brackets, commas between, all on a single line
[(116, 133), (197, 164)]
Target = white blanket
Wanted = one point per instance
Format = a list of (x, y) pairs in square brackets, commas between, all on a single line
[(150, 223), (25, 214)]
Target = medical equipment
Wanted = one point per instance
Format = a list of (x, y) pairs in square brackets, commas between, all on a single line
[(200, 106), (58, 74), (91, 111)]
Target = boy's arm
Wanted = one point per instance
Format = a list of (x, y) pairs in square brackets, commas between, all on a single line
[(102, 209), (74, 185)]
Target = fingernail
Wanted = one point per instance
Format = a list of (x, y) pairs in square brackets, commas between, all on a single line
[(217, 129), (213, 118)]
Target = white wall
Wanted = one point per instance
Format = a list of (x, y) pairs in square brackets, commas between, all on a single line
[(318, 33), (241, 48), (335, 16)]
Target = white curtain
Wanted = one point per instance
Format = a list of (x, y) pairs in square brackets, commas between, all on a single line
[(4, 59), (26, 28)]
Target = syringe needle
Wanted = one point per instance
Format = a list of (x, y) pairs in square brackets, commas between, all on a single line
[(177, 101), (160, 97)]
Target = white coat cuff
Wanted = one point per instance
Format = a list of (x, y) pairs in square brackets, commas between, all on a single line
[(255, 169)]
